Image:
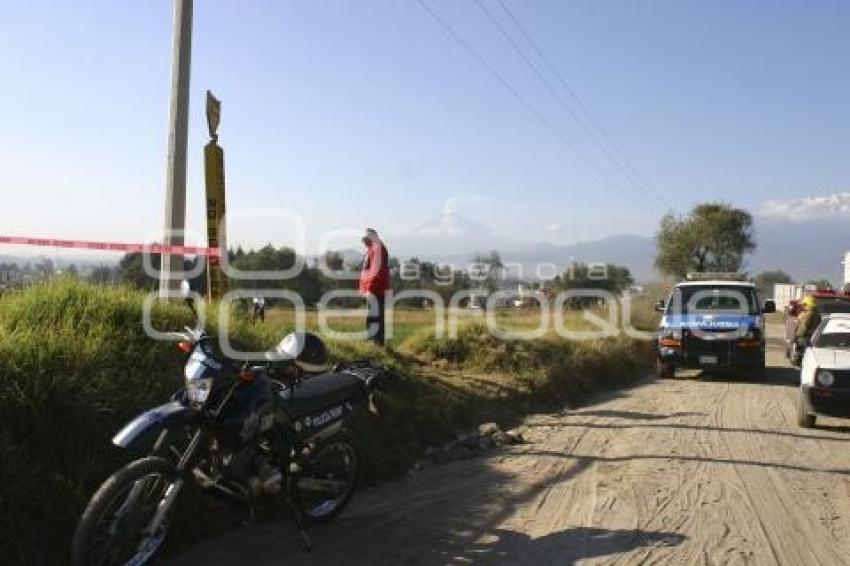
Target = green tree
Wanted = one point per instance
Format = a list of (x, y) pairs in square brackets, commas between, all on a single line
[(711, 237), (334, 261), (488, 268), (132, 272), (767, 279), (604, 276), (309, 282)]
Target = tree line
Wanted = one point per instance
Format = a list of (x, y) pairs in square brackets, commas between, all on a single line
[(485, 273)]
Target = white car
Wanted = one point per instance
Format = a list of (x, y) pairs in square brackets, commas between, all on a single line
[(825, 372)]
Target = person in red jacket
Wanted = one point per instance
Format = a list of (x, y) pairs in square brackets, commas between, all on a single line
[(375, 283)]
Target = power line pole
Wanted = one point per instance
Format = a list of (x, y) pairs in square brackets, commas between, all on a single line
[(178, 133)]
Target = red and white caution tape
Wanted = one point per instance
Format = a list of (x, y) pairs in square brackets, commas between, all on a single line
[(110, 246)]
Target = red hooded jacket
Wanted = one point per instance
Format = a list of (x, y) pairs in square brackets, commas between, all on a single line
[(375, 276)]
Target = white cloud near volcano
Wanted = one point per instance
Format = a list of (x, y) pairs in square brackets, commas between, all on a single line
[(808, 208), (453, 221), (462, 203)]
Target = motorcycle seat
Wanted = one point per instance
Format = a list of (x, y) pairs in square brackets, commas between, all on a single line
[(321, 392)]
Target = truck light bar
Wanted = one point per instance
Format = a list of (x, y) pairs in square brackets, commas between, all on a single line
[(722, 276)]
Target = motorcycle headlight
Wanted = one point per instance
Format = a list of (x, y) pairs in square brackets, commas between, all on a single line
[(198, 390), (825, 378), (198, 384)]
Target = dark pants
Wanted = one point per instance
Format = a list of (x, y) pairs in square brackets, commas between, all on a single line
[(260, 312), (375, 319)]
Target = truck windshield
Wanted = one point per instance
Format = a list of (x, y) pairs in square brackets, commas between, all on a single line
[(834, 332), (728, 299), (837, 340), (829, 305)]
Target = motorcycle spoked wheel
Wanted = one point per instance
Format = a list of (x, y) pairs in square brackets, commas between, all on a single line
[(110, 531), (327, 483)]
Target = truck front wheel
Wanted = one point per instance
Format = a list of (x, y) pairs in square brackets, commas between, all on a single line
[(796, 356), (665, 370), (804, 418)]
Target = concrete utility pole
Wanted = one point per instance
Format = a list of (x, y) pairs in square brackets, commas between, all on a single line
[(178, 133)]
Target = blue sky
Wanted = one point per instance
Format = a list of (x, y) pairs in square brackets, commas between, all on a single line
[(369, 113)]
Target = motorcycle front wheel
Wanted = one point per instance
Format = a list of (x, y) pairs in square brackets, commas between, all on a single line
[(325, 486), (113, 528)]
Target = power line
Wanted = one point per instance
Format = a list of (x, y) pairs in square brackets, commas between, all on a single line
[(566, 107), (515, 93), (591, 118)]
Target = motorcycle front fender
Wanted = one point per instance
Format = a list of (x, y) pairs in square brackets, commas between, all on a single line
[(145, 428)]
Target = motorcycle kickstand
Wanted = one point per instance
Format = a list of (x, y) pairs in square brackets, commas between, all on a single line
[(306, 545), (246, 521)]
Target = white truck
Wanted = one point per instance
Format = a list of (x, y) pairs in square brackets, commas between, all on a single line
[(785, 293)]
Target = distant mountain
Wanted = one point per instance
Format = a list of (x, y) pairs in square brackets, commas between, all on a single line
[(451, 237), (449, 233), (811, 249), (808, 249), (633, 251)]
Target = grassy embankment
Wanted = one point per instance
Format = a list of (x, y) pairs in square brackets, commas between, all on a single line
[(75, 365)]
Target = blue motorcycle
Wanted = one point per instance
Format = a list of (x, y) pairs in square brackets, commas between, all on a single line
[(260, 434)]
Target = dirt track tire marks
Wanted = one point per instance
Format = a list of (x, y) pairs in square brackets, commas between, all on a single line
[(778, 494), (681, 471)]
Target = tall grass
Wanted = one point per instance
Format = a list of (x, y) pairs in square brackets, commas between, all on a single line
[(551, 363), (74, 365)]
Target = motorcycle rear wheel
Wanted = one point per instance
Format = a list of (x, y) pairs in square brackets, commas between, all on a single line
[(111, 529), (324, 488)]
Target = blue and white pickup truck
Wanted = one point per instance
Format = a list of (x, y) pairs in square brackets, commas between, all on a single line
[(713, 322)]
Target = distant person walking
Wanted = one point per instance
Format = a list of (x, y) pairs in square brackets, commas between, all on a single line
[(259, 311), (375, 283)]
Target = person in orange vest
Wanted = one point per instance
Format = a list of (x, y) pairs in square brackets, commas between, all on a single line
[(375, 283), (809, 319)]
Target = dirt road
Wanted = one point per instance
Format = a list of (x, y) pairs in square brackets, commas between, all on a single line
[(681, 471)]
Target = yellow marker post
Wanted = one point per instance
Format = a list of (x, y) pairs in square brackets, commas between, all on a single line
[(214, 178)]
